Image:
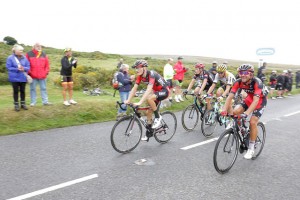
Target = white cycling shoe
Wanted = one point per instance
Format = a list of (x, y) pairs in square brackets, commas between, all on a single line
[(157, 122), (249, 154)]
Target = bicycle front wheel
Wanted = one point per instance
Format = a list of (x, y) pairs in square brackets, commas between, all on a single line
[(169, 125), (260, 140), (209, 123), (126, 134), (190, 117), (226, 151)]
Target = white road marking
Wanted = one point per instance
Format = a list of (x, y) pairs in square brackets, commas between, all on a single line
[(294, 113), (199, 144), (55, 187)]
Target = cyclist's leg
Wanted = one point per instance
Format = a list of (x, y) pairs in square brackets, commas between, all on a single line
[(157, 96)]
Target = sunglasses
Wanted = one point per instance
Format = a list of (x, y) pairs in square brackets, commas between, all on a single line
[(220, 72), (245, 73)]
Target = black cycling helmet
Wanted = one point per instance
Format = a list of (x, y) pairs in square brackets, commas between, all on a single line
[(140, 63), (246, 67)]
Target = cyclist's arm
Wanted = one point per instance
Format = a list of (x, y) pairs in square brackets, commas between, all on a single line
[(252, 105), (191, 84), (228, 101), (132, 92), (146, 94), (212, 87)]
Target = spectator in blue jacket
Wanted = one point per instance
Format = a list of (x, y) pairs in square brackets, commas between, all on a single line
[(17, 66), (125, 83)]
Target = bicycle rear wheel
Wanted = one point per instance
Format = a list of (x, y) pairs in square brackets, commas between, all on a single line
[(226, 151), (190, 117), (260, 140), (209, 123), (126, 134), (169, 125)]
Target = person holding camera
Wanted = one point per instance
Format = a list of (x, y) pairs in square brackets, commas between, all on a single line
[(67, 64)]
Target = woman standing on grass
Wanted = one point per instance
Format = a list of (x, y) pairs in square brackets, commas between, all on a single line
[(125, 83), (67, 64), (17, 66)]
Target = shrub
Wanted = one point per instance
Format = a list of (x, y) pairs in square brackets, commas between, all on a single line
[(4, 79)]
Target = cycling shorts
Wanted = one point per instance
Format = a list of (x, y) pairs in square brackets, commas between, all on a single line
[(67, 79), (259, 110), (162, 94), (169, 83)]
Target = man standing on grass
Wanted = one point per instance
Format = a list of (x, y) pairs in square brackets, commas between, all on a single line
[(39, 69)]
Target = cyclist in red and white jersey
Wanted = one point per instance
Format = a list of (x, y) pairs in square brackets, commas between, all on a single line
[(254, 103), (157, 90)]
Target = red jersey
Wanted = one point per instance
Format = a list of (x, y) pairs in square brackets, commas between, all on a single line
[(153, 78)]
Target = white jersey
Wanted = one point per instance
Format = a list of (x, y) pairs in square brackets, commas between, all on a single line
[(228, 79)]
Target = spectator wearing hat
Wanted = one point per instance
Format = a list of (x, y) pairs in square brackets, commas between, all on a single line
[(39, 69), (273, 82), (213, 69), (178, 78), (17, 66), (67, 64), (168, 76)]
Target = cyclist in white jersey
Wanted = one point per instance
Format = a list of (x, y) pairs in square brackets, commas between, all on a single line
[(226, 80)]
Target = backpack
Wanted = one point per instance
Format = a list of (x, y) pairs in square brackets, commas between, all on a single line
[(115, 82)]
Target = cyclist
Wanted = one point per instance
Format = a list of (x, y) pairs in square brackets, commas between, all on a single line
[(226, 79), (203, 79), (157, 90), (254, 103)]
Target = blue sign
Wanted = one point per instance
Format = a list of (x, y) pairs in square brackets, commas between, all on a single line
[(265, 51)]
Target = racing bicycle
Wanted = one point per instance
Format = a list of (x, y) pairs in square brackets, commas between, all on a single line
[(126, 134)]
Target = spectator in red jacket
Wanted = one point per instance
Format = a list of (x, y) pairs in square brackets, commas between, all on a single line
[(39, 69), (178, 78)]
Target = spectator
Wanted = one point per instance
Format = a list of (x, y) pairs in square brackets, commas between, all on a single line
[(273, 81), (67, 64), (178, 78), (125, 82), (289, 82), (39, 69), (120, 63), (168, 76), (262, 75), (280, 85), (213, 69), (261, 68), (298, 79), (17, 65)]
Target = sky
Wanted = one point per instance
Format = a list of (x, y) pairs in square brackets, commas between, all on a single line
[(231, 29)]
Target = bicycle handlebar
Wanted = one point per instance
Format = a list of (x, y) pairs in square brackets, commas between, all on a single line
[(130, 105)]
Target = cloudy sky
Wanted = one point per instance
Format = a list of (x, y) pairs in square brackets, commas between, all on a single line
[(232, 29)]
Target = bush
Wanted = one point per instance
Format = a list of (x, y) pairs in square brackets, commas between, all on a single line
[(4, 79)]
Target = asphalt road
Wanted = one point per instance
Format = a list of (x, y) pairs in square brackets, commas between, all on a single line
[(79, 163)]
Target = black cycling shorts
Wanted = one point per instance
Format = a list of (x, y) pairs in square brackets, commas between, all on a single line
[(258, 111), (66, 79), (161, 95), (169, 83)]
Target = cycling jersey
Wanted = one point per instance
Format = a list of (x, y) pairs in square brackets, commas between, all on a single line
[(199, 78), (153, 78), (228, 79), (255, 88)]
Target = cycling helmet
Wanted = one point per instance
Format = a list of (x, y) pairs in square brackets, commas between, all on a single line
[(199, 65), (246, 67), (221, 68), (140, 63)]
